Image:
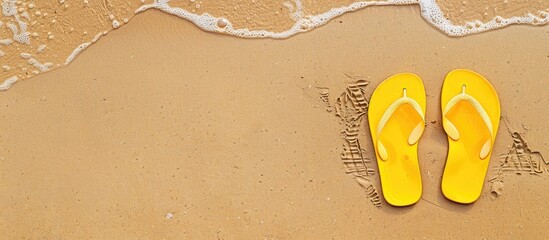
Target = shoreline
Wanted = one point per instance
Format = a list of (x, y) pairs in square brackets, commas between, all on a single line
[(430, 11)]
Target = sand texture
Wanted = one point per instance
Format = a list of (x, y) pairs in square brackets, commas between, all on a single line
[(164, 131)]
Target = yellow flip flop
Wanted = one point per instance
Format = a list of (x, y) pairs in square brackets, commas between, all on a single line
[(396, 116), (470, 117)]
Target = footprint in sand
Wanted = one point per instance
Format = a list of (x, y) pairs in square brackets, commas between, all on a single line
[(519, 160)]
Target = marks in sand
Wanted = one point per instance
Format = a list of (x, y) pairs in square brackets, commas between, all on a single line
[(352, 107), (519, 160)]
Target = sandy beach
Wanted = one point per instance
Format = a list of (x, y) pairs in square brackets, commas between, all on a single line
[(161, 130)]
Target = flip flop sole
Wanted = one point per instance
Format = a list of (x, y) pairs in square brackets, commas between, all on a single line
[(465, 171), (399, 174)]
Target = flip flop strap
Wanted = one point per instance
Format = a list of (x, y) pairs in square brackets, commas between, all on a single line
[(476, 104), (394, 106), (452, 131), (416, 132)]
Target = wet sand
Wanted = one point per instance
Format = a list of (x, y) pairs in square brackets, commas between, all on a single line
[(230, 139), (37, 37)]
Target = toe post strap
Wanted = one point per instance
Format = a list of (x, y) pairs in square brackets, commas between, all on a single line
[(416, 133), (451, 129)]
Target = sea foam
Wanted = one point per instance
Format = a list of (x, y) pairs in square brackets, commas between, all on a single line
[(432, 13), (19, 23), (7, 83), (303, 23)]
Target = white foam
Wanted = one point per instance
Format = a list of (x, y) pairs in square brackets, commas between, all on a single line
[(76, 51), (429, 10), (41, 48), (6, 42), (12, 27), (42, 67), (303, 23), (115, 24), (7, 83), (26, 15), (82, 47), (20, 33), (9, 8), (25, 55), (23, 35), (2, 53), (97, 37), (433, 14)]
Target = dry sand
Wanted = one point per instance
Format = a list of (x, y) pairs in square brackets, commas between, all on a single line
[(183, 134)]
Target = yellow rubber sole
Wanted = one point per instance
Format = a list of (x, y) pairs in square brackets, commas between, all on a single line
[(465, 171), (399, 174)]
